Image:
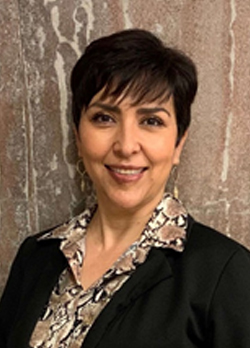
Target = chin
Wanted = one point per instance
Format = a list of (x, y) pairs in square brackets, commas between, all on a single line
[(126, 203), (129, 202)]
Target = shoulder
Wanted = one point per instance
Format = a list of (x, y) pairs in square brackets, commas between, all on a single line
[(206, 238), (35, 248), (210, 253), (48, 242), (211, 266)]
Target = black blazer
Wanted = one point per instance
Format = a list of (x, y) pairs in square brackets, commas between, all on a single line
[(198, 298)]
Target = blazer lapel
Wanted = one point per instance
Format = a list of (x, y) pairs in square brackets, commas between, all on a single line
[(154, 270)]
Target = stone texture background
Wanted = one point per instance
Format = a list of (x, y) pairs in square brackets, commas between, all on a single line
[(40, 42)]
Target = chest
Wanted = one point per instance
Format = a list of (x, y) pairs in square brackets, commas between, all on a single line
[(160, 317)]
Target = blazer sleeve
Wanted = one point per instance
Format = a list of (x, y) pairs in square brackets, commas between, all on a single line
[(229, 315), (11, 296)]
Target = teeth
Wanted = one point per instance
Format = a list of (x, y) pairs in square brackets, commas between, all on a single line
[(126, 171)]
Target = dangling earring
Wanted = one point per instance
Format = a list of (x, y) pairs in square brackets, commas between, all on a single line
[(175, 179), (81, 171)]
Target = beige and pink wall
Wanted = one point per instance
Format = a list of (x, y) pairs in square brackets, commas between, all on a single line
[(40, 42)]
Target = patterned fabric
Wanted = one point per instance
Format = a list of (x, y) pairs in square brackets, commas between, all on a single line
[(71, 310)]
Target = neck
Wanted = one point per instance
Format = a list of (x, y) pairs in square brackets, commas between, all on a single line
[(112, 226)]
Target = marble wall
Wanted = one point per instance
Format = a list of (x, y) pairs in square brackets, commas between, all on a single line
[(40, 42)]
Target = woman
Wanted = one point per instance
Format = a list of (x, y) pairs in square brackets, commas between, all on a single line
[(134, 269)]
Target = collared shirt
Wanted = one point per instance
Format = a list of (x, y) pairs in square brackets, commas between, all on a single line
[(71, 310)]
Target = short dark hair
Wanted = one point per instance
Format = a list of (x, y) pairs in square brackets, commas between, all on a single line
[(135, 62)]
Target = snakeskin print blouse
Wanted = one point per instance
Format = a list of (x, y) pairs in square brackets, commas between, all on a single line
[(71, 311)]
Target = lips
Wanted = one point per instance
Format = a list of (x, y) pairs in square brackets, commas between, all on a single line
[(126, 173)]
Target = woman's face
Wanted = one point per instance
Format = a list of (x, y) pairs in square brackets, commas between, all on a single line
[(128, 151)]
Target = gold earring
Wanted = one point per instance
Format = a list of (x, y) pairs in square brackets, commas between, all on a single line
[(82, 172), (175, 179)]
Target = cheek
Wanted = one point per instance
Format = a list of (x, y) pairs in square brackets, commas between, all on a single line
[(162, 151), (90, 154), (95, 144), (87, 144), (93, 151)]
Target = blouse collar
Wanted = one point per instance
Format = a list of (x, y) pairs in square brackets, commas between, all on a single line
[(166, 228)]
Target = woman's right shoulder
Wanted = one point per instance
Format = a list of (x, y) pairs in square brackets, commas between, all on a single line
[(37, 241)]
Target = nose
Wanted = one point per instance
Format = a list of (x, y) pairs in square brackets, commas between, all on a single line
[(127, 141)]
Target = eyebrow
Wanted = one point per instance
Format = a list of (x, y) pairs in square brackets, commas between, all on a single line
[(153, 111), (107, 107), (140, 111)]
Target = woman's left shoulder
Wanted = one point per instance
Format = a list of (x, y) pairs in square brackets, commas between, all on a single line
[(213, 244)]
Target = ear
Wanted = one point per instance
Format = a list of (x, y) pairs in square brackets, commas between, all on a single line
[(78, 141), (178, 149)]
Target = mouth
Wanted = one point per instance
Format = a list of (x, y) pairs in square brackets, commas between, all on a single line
[(126, 173), (126, 170)]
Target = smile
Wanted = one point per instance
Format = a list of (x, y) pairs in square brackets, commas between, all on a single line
[(126, 171), (126, 174)]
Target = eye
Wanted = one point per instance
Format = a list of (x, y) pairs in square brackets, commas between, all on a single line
[(102, 118), (154, 121)]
